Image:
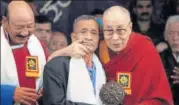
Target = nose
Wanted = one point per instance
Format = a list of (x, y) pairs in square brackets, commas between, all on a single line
[(25, 32), (175, 36), (145, 9), (115, 36), (44, 34), (88, 36)]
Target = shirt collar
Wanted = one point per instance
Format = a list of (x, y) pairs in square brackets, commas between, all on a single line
[(176, 57)]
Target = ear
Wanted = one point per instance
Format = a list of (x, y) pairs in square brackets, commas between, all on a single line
[(4, 22), (131, 25), (73, 37)]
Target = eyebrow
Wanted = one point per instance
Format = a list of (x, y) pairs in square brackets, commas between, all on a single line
[(83, 29), (122, 26), (108, 27), (149, 5), (94, 30), (119, 27)]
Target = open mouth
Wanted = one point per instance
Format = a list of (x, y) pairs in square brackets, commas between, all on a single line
[(23, 38)]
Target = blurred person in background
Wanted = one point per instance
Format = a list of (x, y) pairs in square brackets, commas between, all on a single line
[(170, 56), (142, 20), (58, 41), (43, 29), (98, 14)]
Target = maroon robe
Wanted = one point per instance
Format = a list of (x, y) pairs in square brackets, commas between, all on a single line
[(149, 84), (20, 59)]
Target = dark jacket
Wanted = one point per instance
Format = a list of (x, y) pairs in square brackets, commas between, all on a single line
[(55, 82), (169, 64), (155, 32)]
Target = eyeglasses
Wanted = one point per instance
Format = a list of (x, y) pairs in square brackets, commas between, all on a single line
[(120, 31)]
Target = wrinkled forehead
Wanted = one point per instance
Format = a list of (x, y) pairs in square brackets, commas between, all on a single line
[(116, 21), (17, 23), (19, 19), (117, 24), (174, 26), (86, 24)]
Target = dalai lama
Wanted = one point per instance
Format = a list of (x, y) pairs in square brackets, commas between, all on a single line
[(130, 59)]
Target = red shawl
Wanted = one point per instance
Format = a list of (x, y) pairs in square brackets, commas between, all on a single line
[(149, 84), (20, 58)]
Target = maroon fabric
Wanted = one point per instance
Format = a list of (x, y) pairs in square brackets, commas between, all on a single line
[(149, 83), (20, 59)]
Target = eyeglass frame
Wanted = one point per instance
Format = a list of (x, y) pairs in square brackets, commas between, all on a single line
[(113, 31)]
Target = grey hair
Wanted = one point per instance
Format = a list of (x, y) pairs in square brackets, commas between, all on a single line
[(171, 19), (83, 17)]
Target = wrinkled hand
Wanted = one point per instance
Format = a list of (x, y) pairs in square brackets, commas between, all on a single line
[(76, 49), (175, 77), (161, 47), (26, 96)]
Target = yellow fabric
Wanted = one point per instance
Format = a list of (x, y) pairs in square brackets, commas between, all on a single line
[(103, 52)]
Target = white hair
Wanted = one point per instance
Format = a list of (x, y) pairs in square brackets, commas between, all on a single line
[(171, 19), (83, 17)]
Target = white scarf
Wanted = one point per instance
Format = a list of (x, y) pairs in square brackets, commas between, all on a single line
[(8, 66), (80, 88)]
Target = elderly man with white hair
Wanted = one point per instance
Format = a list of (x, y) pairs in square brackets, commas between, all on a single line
[(171, 55)]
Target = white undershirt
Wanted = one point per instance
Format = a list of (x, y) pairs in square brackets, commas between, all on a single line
[(176, 57), (17, 46)]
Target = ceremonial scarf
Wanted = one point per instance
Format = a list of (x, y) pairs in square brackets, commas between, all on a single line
[(80, 88)]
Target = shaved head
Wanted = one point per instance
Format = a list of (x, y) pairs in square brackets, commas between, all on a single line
[(117, 12), (19, 10)]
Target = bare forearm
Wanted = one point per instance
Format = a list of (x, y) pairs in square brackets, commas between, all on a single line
[(63, 52)]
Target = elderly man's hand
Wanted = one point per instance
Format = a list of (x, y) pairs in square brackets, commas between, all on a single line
[(26, 96), (161, 47), (175, 77), (76, 49)]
